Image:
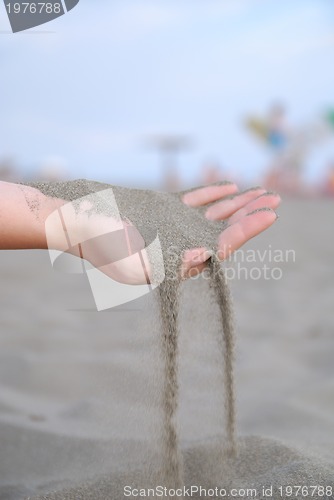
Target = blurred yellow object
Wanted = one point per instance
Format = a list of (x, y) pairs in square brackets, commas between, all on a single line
[(258, 127)]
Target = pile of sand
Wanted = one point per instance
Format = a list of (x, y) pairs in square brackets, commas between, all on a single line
[(260, 463)]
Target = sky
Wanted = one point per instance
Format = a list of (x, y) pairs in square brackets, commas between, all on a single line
[(86, 90)]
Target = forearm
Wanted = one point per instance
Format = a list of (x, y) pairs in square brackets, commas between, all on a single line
[(23, 212)]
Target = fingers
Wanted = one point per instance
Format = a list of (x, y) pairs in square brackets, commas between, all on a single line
[(195, 271), (270, 200), (193, 261), (226, 208), (249, 213), (243, 230), (208, 194)]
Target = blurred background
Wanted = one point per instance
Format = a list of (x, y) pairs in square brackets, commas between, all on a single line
[(169, 94)]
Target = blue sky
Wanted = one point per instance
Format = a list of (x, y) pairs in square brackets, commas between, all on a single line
[(113, 72)]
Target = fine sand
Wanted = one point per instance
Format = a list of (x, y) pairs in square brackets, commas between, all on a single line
[(261, 464), (179, 228), (80, 405)]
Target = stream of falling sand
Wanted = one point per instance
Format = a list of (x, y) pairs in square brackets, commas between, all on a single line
[(182, 227), (169, 296)]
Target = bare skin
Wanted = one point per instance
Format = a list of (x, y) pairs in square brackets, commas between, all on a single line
[(24, 228)]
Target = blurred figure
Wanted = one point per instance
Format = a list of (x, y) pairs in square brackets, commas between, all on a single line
[(52, 169), (211, 172), (172, 181), (289, 147), (328, 188), (273, 130), (277, 130), (8, 170)]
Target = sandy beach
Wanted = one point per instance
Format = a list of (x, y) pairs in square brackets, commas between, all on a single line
[(79, 398)]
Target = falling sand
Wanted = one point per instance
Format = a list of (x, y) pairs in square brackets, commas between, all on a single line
[(179, 228)]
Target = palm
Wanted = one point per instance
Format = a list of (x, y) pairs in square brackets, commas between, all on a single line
[(232, 206)]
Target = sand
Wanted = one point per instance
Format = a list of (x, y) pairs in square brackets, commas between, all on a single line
[(256, 472), (179, 228), (69, 418)]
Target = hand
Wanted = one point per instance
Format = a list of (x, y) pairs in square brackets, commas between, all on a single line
[(242, 212)]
